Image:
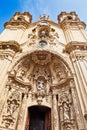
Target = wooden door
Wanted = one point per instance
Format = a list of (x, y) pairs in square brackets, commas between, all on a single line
[(48, 120), (39, 118)]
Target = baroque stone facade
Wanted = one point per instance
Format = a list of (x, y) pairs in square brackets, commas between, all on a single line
[(43, 73)]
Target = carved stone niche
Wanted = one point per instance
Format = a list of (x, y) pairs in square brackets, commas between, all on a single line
[(41, 90), (66, 110)]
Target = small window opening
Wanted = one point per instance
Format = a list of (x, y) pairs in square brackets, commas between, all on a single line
[(69, 18), (20, 18)]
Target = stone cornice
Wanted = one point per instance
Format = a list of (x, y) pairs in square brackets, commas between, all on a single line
[(12, 45), (52, 23), (16, 23), (75, 46), (70, 24), (24, 84)]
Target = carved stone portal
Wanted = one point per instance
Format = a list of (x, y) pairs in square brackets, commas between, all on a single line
[(39, 78)]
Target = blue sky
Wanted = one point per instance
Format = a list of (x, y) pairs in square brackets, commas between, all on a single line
[(38, 7)]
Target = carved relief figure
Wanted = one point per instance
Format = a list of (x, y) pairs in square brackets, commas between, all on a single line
[(60, 73), (40, 89), (13, 102), (10, 109), (41, 85), (66, 111)]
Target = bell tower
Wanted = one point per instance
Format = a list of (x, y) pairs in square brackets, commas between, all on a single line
[(19, 19), (73, 28)]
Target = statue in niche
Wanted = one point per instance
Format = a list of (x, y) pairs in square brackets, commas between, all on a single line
[(69, 126), (40, 89), (61, 74), (66, 111), (65, 107), (41, 85), (21, 74)]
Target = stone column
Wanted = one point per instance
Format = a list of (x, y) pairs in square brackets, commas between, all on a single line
[(83, 71), (80, 84), (55, 112)]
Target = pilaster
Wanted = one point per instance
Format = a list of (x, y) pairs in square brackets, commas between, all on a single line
[(55, 111), (77, 58)]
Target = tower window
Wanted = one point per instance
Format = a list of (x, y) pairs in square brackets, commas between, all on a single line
[(20, 18), (69, 18)]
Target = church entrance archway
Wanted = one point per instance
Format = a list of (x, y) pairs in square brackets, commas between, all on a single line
[(41, 83)]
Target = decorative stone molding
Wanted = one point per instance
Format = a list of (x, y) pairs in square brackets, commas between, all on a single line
[(6, 55), (75, 46), (41, 58), (10, 45), (10, 24), (43, 32)]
